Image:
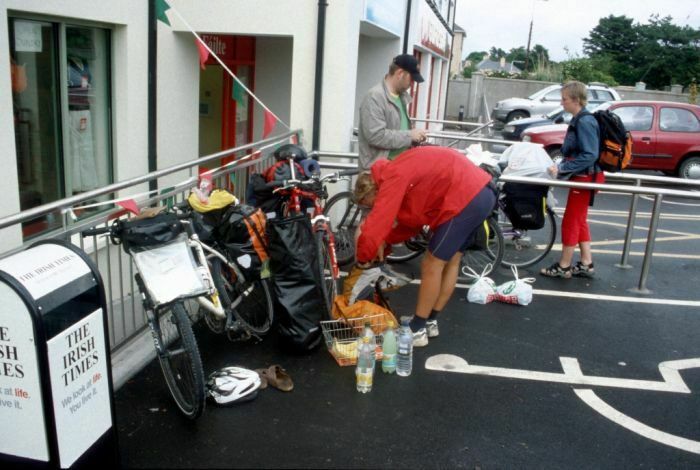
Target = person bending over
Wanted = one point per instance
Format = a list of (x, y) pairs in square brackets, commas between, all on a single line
[(434, 186)]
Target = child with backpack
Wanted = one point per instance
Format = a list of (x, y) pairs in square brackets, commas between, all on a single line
[(581, 150)]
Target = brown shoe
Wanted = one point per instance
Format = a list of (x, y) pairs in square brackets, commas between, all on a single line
[(277, 377), (263, 379)]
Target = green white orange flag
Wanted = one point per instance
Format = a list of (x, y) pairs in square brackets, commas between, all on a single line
[(161, 8), (270, 121), (237, 93), (203, 53)]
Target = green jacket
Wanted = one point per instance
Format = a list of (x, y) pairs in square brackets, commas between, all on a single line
[(380, 121)]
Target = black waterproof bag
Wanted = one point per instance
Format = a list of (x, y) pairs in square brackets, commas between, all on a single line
[(525, 205), (297, 279), (149, 232)]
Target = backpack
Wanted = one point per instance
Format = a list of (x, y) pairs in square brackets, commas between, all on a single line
[(525, 205), (280, 171), (615, 142), (243, 233)]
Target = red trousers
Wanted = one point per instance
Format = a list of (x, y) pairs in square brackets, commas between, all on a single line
[(574, 227)]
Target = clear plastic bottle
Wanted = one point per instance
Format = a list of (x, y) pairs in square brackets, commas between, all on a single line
[(404, 353), (204, 189), (364, 373), (389, 348), (369, 333)]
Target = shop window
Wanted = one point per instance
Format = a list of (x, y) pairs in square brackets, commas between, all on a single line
[(61, 106)]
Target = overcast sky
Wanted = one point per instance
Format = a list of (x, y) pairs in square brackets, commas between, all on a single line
[(557, 24)]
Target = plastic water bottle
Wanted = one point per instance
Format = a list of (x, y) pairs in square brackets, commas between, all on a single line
[(369, 333), (364, 373), (389, 347), (404, 356)]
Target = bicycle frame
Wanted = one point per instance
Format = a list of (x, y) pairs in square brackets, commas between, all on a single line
[(319, 220)]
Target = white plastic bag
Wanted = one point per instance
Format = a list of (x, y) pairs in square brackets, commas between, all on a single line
[(528, 159), (483, 290), (518, 291)]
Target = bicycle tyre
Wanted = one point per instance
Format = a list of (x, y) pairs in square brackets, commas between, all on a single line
[(255, 309), (180, 360), (524, 248), (328, 285), (344, 219), (479, 259), (402, 252)]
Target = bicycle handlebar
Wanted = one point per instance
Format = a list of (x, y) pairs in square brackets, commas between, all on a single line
[(95, 231)]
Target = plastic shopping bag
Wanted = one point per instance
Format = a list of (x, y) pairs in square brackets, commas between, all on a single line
[(483, 290), (518, 291)]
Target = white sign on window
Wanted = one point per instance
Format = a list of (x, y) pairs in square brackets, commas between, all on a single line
[(28, 36), (81, 402)]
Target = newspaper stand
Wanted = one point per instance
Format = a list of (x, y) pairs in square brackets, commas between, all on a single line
[(56, 397)]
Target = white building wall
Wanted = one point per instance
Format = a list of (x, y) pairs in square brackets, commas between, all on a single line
[(273, 81), (340, 64), (295, 19), (373, 59)]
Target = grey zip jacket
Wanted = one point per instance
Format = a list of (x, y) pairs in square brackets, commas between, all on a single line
[(380, 120)]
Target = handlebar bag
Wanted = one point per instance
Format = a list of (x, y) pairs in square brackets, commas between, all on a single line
[(152, 231), (525, 205)]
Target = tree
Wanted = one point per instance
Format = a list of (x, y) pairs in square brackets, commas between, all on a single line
[(496, 53), (584, 70), (659, 52), (476, 56)]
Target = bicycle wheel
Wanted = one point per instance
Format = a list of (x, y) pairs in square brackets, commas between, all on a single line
[(345, 218), (527, 247), (179, 359), (328, 284), (479, 257), (409, 249), (250, 300)]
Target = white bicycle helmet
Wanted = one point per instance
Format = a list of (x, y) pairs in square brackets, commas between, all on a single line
[(233, 384)]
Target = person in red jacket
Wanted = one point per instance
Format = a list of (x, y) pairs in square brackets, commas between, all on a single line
[(434, 186)]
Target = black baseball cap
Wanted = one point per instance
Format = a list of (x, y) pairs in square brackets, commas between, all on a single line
[(409, 63)]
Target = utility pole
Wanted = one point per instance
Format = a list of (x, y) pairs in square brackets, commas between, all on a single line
[(527, 51)]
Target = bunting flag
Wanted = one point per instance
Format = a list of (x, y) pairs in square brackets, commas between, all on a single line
[(161, 8), (203, 53), (270, 121), (130, 205), (238, 94)]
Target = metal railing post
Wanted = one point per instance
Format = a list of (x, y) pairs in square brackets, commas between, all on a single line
[(651, 238), (623, 264)]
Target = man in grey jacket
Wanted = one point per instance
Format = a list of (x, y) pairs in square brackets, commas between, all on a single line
[(384, 128)]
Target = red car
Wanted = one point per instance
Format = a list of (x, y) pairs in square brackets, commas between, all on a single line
[(665, 136)]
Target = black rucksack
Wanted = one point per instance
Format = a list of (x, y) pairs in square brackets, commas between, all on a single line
[(615, 142), (525, 205)]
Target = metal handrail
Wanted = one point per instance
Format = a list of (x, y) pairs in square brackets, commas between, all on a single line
[(456, 123), (658, 194), (68, 202), (471, 139)]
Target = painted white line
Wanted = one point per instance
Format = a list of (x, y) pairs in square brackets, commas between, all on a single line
[(673, 382), (591, 399)]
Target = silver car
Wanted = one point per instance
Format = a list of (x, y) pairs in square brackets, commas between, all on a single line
[(546, 100)]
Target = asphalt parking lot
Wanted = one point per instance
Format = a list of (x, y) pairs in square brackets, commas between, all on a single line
[(573, 380)]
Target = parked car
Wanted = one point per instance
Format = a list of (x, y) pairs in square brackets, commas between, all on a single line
[(514, 129), (547, 100), (665, 136)]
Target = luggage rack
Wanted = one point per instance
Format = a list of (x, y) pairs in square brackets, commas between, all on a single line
[(341, 337)]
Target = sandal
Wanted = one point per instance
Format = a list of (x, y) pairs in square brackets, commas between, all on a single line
[(277, 377), (583, 270), (556, 270)]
